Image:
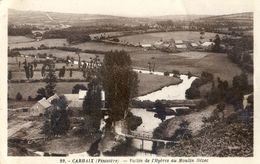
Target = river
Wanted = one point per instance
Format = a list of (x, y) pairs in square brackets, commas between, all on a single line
[(172, 92)]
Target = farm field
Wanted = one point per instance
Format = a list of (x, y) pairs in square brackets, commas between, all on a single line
[(62, 54), (19, 39), (104, 47), (37, 75), (36, 44), (61, 88), (150, 38), (15, 66), (216, 63), (149, 83)]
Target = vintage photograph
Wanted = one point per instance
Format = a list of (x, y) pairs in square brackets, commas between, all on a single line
[(140, 78)]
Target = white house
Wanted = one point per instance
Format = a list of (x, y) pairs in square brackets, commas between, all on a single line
[(194, 44), (40, 107), (146, 45), (55, 96), (178, 42), (207, 44), (181, 46)]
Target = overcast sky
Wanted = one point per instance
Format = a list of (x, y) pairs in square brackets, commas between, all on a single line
[(137, 7)]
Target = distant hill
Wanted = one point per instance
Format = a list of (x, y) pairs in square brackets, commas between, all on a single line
[(179, 17), (53, 18), (239, 17), (69, 19)]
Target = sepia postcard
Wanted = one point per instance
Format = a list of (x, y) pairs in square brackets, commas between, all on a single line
[(129, 81)]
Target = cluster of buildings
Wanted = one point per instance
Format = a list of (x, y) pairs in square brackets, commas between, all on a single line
[(75, 103), (179, 45)]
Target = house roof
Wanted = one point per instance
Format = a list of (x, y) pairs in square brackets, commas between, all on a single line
[(158, 43), (146, 45), (194, 45), (178, 41), (76, 104), (55, 96), (207, 44), (181, 46), (82, 94), (71, 97), (43, 103)]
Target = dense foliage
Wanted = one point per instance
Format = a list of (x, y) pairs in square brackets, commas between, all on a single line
[(57, 118), (119, 81), (50, 78), (92, 101)]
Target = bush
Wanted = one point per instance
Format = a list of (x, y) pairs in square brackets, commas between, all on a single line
[(78, 87), (30, 98), (176, 72), (202, 104), (192, 93), (206, 77), (183, 132), (133, 121), (166, 73), (19, 96), (196, 83)]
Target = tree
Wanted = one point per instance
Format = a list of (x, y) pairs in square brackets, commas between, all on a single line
[(183, 132), (221, 107), (62, 72), (216, 47), (10, 75), (18, 96), (70, 72), (160, 110), (57, 117), (78, 87), (40, 94), (120, 83), (192, 93), (27, 71), (92, 101), (31, 70), (43, 70), (50, 79), (240, 82)]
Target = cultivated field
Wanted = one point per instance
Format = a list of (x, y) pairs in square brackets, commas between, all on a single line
[(104, 46), (37, 75), (62, 54), (150, 38), (216, 63), (36, 44), (30, 89), (19, 39)]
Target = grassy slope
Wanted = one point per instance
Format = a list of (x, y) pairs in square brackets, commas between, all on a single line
[(231, 137), (149, 83), (195, 119), (215, 63)]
